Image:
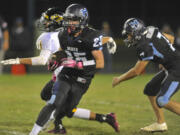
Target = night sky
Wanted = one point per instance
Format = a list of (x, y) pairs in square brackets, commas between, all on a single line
[(153, 12)]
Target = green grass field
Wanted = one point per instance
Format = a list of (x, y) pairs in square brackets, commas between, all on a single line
[(20, 104)]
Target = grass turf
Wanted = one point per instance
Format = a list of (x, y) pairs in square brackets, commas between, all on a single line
[(20, 104)]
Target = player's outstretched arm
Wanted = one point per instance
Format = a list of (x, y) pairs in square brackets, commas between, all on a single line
[(138, 69), (38, 60)]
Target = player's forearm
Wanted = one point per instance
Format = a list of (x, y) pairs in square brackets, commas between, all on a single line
[(106, 39), (26, 61), (128, 75), (38, 60), (99, 64), (99, 58)]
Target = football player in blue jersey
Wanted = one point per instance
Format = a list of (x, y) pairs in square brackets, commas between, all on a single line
[(152, 45)]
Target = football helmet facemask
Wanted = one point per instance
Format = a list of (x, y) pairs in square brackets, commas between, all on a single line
[(75, 18)]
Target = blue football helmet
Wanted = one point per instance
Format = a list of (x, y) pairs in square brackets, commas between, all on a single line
[(135, 28)]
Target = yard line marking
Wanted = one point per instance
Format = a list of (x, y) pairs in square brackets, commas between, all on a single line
[(12, 132)]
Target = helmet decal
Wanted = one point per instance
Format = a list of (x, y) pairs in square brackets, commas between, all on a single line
[(134, 24), (84, 12), (75, 12), (135, 27)]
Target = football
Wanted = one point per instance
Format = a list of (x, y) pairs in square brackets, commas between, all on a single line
[(58, 56)]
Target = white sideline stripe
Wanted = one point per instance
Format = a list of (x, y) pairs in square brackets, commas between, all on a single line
[(12, 132)]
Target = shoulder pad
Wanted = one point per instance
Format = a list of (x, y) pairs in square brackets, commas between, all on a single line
[(150, 31)]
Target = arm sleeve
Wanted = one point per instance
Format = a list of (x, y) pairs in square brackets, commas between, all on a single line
[(42, 59)]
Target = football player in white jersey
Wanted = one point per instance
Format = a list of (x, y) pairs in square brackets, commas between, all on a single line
[(48, 43)]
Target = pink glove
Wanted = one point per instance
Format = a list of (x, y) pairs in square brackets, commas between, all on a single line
[(71, 63)]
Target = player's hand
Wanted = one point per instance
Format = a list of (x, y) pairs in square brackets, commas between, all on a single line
[(10, 61), (52, 65), (67, 62), (115, 81), (111, 46)]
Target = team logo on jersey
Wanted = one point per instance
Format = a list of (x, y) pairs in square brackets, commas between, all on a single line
[(84, 12)]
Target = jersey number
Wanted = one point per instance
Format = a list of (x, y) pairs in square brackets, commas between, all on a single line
[(97, 42)]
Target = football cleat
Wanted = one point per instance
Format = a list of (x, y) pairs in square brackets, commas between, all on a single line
[(112, 121), (58, 130), (155, 127)]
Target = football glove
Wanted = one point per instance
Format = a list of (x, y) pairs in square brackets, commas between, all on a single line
[(56, 60), (111, 46), (52, 65), (10, 61), (66, 62)]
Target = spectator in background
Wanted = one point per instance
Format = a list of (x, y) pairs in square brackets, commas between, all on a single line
[(106, 30), (21, 42), (166, 28), (4, 40)]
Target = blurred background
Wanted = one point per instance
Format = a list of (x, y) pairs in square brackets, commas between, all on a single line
[(105, 15)]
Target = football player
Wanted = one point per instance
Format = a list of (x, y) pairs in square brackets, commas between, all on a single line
[(48, 43), (152, 45), (83, 46)]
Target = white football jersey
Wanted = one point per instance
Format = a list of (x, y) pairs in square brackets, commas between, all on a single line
[(48, 41)]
